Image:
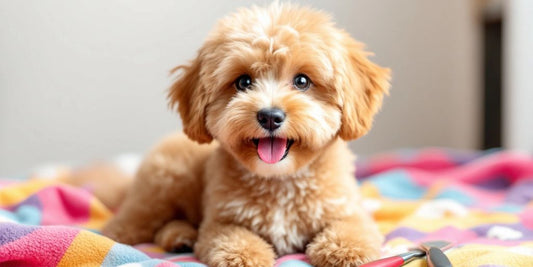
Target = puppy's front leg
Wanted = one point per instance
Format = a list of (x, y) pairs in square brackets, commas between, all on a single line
[(231, 246), (167, 186), (348, 242), (145, 210)]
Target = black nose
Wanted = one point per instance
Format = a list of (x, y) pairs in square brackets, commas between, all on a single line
[(270, 118)]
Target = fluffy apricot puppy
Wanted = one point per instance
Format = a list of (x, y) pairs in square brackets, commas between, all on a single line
[(267, 105)]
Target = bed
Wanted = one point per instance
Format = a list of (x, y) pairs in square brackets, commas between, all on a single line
[(482, 202)]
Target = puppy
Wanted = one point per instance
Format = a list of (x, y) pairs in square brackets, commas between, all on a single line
[(267, 105)]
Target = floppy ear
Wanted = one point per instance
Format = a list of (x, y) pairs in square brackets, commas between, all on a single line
[(187, 93), (363, 85)]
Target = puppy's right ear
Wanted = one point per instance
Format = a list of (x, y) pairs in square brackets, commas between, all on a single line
[(187, 95)]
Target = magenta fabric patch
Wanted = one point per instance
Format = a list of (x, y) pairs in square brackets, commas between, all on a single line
[(64, 205), (44, 246)]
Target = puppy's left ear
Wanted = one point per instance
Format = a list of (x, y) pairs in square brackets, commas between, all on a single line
[(363, 85)]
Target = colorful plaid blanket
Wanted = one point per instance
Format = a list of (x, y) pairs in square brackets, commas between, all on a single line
[(481, 202)]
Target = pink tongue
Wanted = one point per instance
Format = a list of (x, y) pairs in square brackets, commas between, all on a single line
[(271, 150)]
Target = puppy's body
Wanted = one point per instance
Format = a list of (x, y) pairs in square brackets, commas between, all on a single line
[(286, 212), (271, 185)]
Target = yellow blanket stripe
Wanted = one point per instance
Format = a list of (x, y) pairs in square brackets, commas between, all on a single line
[(14, 194), (86, 248)]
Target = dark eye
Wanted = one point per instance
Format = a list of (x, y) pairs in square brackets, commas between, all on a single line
[(243, 82), (301, 82)]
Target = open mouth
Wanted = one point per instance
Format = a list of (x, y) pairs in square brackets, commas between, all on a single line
[(272, 149)]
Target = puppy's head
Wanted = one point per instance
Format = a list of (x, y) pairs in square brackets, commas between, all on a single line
[(276, 85)]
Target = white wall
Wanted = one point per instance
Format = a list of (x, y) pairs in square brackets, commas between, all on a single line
[(518, 70), (86, 79)]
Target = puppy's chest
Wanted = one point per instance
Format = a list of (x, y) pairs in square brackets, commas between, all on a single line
[(287, 216)]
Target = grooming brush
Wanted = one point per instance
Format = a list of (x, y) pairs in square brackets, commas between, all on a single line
[(435, 255), (433, 249)]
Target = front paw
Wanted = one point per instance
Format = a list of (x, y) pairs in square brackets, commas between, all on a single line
[(234, 247), (242, 258), (328, 249), (176, 236)]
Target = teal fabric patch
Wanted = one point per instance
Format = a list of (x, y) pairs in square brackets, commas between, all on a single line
[(122, 254), (397, 184), (512, 208), (295, 263), (191, 264), (25, 214), (455, 195), (7, 216)]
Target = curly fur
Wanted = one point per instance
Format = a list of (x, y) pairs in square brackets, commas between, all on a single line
[(217, 193)]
